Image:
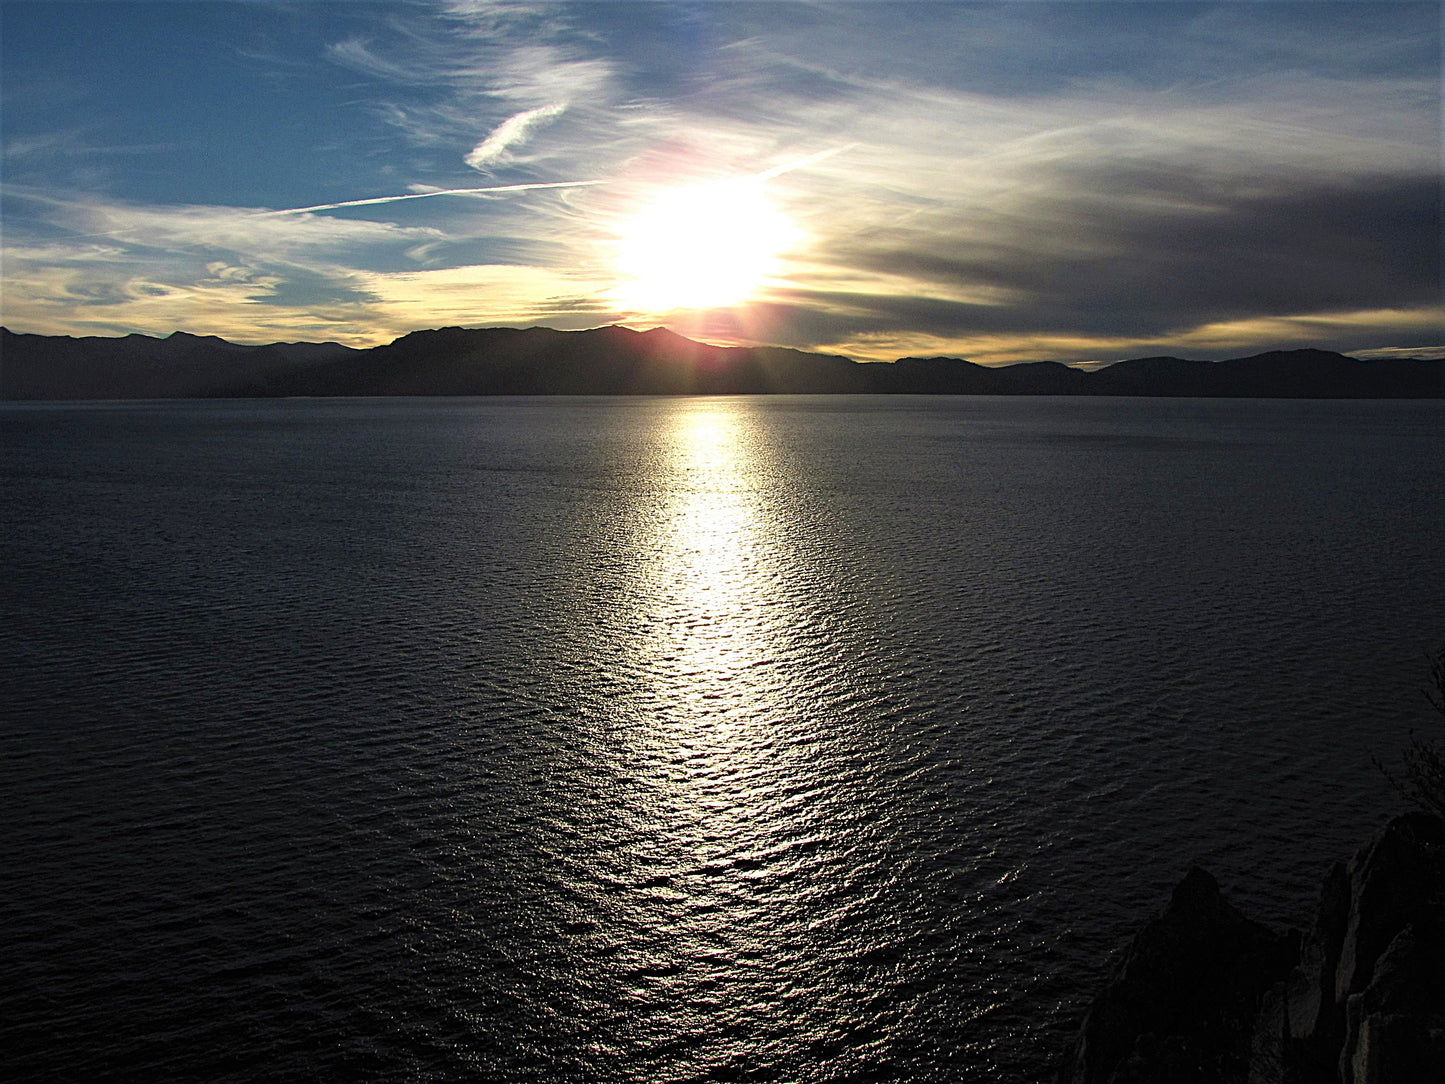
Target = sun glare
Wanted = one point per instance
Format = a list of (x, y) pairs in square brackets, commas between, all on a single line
[(703, 247)]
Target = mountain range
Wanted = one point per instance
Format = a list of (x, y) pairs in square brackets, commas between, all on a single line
[(619, 361)]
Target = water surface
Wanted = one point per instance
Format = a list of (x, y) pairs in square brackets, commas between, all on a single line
[(674, 739)]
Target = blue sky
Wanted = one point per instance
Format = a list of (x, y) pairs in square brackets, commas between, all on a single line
[(1001, 181)]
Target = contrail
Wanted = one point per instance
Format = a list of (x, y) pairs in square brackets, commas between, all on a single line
[(765, 175), (373, 201), (803, 163)]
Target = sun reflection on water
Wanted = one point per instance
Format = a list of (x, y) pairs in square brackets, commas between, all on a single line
[(747, 832), (715, 574)]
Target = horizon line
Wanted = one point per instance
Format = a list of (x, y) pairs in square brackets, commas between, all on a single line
[(1424, 353)]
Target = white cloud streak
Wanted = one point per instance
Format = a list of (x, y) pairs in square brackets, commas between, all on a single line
[(510, 132), (378, 200)]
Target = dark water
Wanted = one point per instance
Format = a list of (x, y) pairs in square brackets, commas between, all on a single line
[(661, 740)]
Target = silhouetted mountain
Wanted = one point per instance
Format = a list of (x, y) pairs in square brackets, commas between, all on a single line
[(1044, 378), (1145, 376), (1286, 374), (618, 361), (180, 366), (540, 361), (934, 376)]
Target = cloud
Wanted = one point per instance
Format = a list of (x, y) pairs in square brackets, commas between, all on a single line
[(513, 295), (197, 227), (357, 55), (83, 265), (1020, 180), (859, 333), (71, 143), (510, 132), (526, 61), (1111, 250), (1385, 353)]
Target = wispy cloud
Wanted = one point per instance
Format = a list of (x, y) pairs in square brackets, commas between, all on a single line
[(989, 180), (71, 143), (509, 133), (805, 162), (83, 265)]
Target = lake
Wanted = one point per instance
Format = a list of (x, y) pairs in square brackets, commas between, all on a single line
[(757, 738)]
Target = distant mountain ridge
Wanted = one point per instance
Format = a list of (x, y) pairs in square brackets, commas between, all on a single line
[(180, 366), (618, 361)]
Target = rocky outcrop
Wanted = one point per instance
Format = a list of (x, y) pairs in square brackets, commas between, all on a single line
[(1367, 1003), (1203, 994), (1180, 1003)]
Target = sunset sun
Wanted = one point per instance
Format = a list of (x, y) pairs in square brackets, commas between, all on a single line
[(705, 246)]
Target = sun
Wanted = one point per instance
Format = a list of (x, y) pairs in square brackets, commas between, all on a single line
[(706, 246)]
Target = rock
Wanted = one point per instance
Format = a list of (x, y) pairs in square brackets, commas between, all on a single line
[(1383, 981), (1312, 1001), (1181, 1004), (1397, 1025), (1205, 995), (1394, 880), (1299, 1031), (1358, 1002)]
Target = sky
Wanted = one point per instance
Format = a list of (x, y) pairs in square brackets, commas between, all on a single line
[(1083, 181)]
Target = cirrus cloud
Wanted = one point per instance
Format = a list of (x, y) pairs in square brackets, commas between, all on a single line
[(512, 131)]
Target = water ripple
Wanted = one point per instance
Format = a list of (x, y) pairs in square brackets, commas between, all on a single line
[(617, 740)]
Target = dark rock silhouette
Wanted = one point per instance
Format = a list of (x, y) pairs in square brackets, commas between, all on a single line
[(1367, 1002), (1181, 1003), (618, 361), (1203, 994)]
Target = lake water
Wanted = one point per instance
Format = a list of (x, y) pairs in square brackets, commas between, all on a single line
[(798, 739)]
